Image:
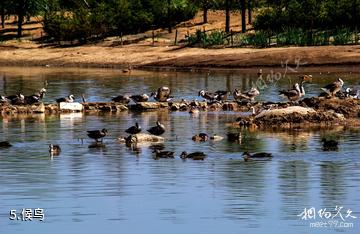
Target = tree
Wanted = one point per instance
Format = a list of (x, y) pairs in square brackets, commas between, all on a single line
[(243, 16), (227, 15)]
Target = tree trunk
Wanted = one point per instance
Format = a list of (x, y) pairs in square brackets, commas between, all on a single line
[(2, 12), (227, 16), (169, 15), (243, 16), (249, 11), (205, 14), (20, 13)]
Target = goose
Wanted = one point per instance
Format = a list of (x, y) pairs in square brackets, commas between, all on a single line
[(330, 145), (257, 156), (163, 154), (124, 99), (248, 95), (333, 88), (70, 98), (200, 137), (195, 156), (157, 130), (293, 94), (54, 149), (162, 94), (35, 98), (140, 98), (97, 134), (352, 93), (5, 144), (134, 129)]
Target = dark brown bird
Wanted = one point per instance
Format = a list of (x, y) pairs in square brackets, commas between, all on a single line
[(200, 137), (334, 87), (195, 156), (330, 145), (293, 94), (208, 95), (163, 154), (257, 156), (234, 137), (162, 94), (157, 130), (35, 98), (70, 98), (97, 134), (124, 99), (54, 149), (5, 144), (140, 98), (134, 129)]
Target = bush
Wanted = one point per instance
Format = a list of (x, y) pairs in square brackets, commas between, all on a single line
[(342, 36), (258, 39)]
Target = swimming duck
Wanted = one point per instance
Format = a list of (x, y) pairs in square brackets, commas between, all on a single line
[(5, 144), (124, 99), (248, 95), (257, 156), (208, 95), (330, 145), (333, 88), (157, 130), (140, 98), (163, 154), (234, 136), (134, 129), (70, 98), (200, 137), (35, 98), (195, 156), (97, 134), (293, 94), (54, 149), (162, 94)]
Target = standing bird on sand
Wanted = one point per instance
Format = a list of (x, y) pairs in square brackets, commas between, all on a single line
[(258, 156), (97, 134), (124, 99), (35, 98), (248, 95), (158, 130), (162, 94), (221, 95), (140, 98), (208, 95), (70, 98), (352, 93), (293, 94), (333, 88), (134, 129), (16, 99)]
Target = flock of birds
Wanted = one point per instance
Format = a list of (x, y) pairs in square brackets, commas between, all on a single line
[(163, 94)]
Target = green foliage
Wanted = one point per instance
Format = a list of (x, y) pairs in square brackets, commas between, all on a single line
[(259, 39), (203, 39), (342, 36)]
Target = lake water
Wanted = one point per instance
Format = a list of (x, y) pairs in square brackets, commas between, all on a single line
[(115, 189)]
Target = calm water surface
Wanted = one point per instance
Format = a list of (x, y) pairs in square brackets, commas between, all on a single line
[(89, 190)]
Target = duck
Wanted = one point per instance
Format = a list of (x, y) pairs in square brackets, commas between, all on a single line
[(216, 137), (124, 99), (35, 98), (134, 129), (54, 149), (200, 137), (306, 78), (69, 98), (207, 95), (97, 134), (330, 145), (140, 98), (352, 93), (195, 156), (3, 99), (5, 144), (257, 156), (234, 137), (293, 94), (247, 95), (333, 88), (16, 99), (221, 95), (157, 130), (162, 94), (163, 154)]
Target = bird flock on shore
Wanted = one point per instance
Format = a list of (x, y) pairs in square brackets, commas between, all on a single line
[(163, 94)]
